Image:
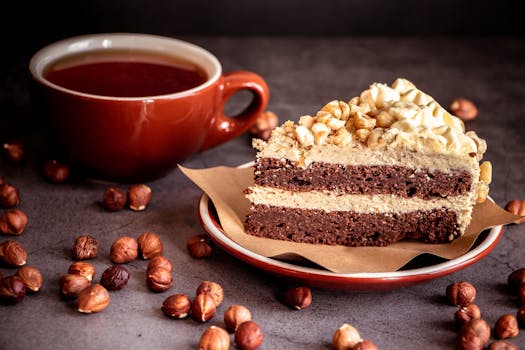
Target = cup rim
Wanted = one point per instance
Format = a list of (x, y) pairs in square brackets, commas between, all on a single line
[(103, 41)]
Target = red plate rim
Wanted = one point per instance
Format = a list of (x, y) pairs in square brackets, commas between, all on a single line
[(350, 281)]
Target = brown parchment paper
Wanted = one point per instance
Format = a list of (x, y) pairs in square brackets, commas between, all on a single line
[(225, 186)]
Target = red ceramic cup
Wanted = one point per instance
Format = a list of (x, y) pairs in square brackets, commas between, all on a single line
[(142, 138)]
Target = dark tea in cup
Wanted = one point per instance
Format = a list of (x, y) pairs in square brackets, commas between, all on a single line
[(125, 74)]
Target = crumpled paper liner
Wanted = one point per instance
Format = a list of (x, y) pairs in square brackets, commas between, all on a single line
[(225, 186)]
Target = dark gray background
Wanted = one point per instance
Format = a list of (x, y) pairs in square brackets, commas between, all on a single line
[(27, 25)]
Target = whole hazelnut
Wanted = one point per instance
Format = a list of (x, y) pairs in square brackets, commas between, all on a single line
[(346, 337), (71, 285), (56, 172), (365, 344), (150, 245), (212, 288), (82, 268), (475, 334), (124, 250), (13, 253), (13, 222), (94, 298), (298, 297), (461, 293), (465, 314), (160, 261), (516, 279), (176, 306), (464, 109), (13, 151), (85, 247), (159, 279), (506, 327), (248, 336), (502, 345), (516, 207), (139, 197), (203, 308), (235, 315), (114, 199), (9, 196), (200, 246), (264, 125), (31, 277), (12, 290), (214, 338), (115, 277)]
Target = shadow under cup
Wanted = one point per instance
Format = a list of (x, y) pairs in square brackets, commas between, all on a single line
[(140, 138)]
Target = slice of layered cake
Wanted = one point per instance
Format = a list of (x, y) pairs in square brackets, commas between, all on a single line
[(390, 164)]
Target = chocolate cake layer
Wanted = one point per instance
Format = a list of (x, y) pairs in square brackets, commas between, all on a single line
[(361, 179), (350, 228)]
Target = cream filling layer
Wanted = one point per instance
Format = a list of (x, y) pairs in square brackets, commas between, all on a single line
[(381, 203)]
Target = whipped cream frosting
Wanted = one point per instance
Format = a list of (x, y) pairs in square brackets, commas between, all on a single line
[(392, 117)]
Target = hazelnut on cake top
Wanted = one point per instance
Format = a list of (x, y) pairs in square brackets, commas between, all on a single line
[(387, 165)]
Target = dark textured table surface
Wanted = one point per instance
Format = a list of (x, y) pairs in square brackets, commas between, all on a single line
[(303, 74)]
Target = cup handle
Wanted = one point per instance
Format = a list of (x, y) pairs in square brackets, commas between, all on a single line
[(225, 128)]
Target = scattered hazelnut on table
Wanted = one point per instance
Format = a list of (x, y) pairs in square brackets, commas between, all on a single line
[(516, 207), (461, 293), (176, 306), (502, 345), (465, 314), (71, 285), (464, 109), (56, 172), (13, 151), (298, 298), (214, 338), (235, 315), (200, 246), (150, 245), (31, 277), (516, 279), (160, 261), (85, 247), (13, 253), (264, 125), (248, 336), (475, 334), (159, 279), (94, 298), (212, 288), (506, 327), (12, 290), (13, 222), (82, 268), (9, 196), (365, 344), (203, 308), (124, 250), (115, 277), (346, 337), (114, 199), (139, 197)]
